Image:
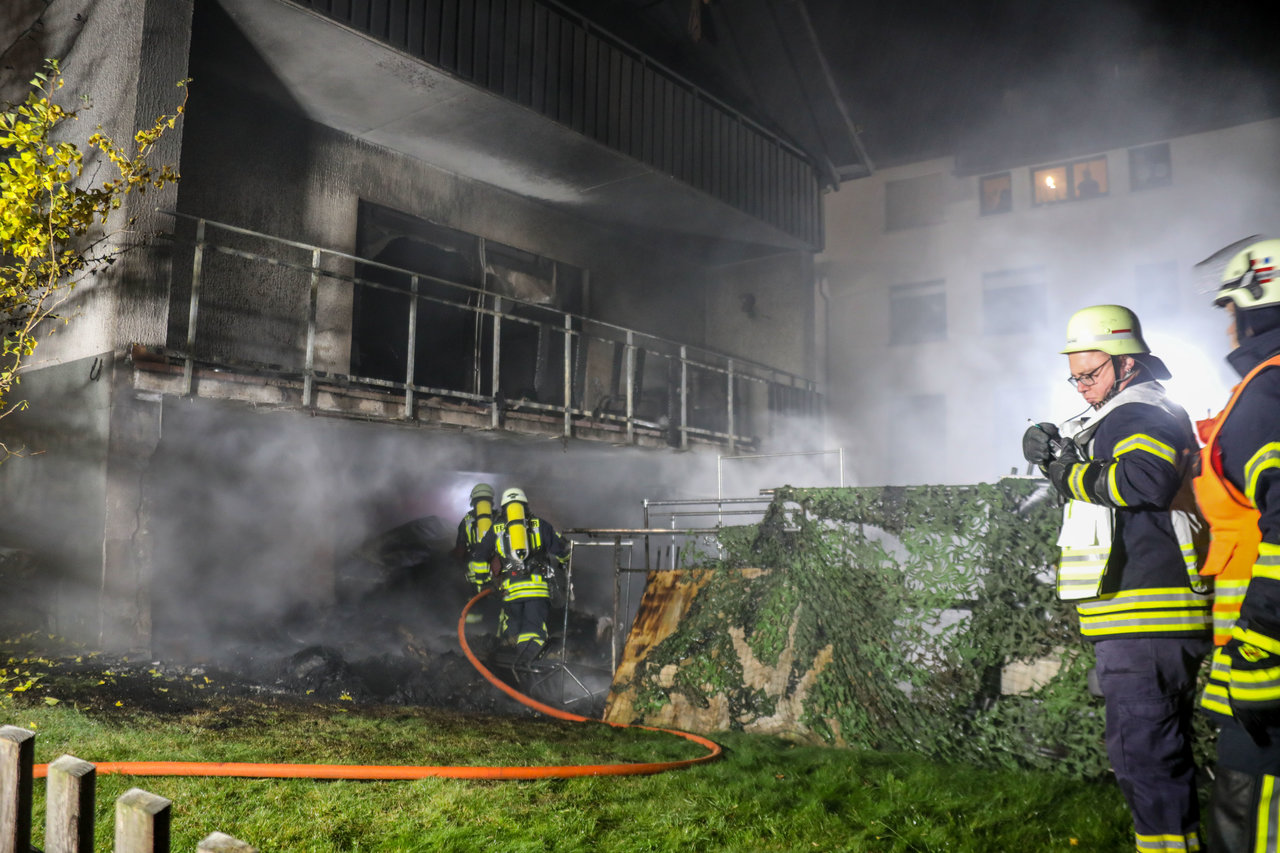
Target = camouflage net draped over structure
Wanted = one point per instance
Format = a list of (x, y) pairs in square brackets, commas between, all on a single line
[(888, 619)]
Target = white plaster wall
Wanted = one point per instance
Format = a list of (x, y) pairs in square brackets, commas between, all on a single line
[(1226, 185)]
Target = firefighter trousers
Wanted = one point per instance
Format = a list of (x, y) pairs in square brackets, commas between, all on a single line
[(1149, 685)]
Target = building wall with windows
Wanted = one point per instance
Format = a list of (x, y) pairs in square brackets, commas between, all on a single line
[(949, 293)]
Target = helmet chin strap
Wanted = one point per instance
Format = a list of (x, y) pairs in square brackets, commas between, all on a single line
[(1120, 380)]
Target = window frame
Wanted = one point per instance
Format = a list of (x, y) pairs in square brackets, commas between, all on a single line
[(913, 335), (1072, 180), (1005, 202)]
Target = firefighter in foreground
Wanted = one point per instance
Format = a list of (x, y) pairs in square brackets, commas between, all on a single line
[(474, 525), (532, 556), (1130, 542), (1239, 492)]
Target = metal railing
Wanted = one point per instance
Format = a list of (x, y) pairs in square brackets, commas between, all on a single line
[(274, 327)]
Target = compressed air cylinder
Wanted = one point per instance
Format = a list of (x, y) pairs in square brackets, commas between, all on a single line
[(519, 536), (484, 517)]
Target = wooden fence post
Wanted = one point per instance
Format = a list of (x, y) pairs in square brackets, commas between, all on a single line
[(17, 755), (142, 822), (68, 824), (219, 842)]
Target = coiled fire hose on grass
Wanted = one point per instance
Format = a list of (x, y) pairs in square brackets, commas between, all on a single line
[(377, 772)]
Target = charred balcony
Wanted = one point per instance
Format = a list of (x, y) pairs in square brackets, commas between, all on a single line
[(526, 96), (358, 338)]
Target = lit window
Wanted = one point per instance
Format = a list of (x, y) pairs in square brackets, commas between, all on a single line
[(995, 194), (1150, 166), (917, 313), (1081, 179), (913, 202), (1014, 302)]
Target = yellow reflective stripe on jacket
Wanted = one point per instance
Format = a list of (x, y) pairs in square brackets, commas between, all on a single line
[(1228, 595), (1142, 441), (1260, 686), (1190, 843), (1253, 638), (1076, 482), (1113, 488), (1267, 819), (1080, 571), (1142, 611), (1215, 698), (1137, 441), (1268, 563), (534, 586), (1268, 456)]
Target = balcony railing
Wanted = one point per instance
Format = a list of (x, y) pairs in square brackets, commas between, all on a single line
[(562, 66), (258, 305)]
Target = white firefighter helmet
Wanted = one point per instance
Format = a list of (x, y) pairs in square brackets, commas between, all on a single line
[(1244, 273), (1112, 329), (514, 495)]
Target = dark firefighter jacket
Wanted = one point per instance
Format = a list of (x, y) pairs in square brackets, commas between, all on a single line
[(1140, 452), (465, 547), (1246, 452), (525, 575)]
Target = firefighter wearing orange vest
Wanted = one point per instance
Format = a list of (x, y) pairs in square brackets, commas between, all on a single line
[(532, 556), (1131, 540), (1239, 493)]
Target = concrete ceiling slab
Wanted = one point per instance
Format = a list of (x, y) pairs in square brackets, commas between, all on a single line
[(347, 80)]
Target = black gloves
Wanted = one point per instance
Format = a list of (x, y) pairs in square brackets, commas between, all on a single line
[(1071, 482), (1037, 441)]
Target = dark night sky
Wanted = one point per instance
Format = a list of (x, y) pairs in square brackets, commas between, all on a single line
[(922, 77), (990, 80)]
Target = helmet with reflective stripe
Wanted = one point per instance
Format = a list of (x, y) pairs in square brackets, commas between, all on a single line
[(1112, 329), (482, 491), (514, 495), (1249, 278)]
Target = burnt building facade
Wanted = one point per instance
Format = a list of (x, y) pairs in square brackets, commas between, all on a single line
[(415, 243)]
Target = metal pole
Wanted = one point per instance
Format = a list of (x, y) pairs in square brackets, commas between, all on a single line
[(412, 348), (495, 418), (197, 263), (732, 437), (646, 538), (631, 367), (617, 619), (308, 378), (684, 398), (568, 375)]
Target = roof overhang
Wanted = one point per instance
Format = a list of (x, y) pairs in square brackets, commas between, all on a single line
[(349, 81)]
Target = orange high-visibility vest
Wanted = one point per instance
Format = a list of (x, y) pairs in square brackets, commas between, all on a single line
[(1233, 521)]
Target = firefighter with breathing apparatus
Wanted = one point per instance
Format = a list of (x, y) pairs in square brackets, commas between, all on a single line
[(532, 557), (1238, 489), (474, 525), (1131, 542)]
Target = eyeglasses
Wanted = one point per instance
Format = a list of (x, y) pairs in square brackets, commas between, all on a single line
[(1087, 379)]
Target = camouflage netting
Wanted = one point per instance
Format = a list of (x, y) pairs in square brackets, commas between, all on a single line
[(891, 619)]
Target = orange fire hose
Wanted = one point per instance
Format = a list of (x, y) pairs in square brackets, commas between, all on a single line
[(376, 772)]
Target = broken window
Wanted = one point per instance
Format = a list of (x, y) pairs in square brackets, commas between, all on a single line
[(456, 273)]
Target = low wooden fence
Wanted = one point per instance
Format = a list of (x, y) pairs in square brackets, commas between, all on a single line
[(142, 818)]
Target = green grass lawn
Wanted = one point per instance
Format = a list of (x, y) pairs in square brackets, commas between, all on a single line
[(764, 794)]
